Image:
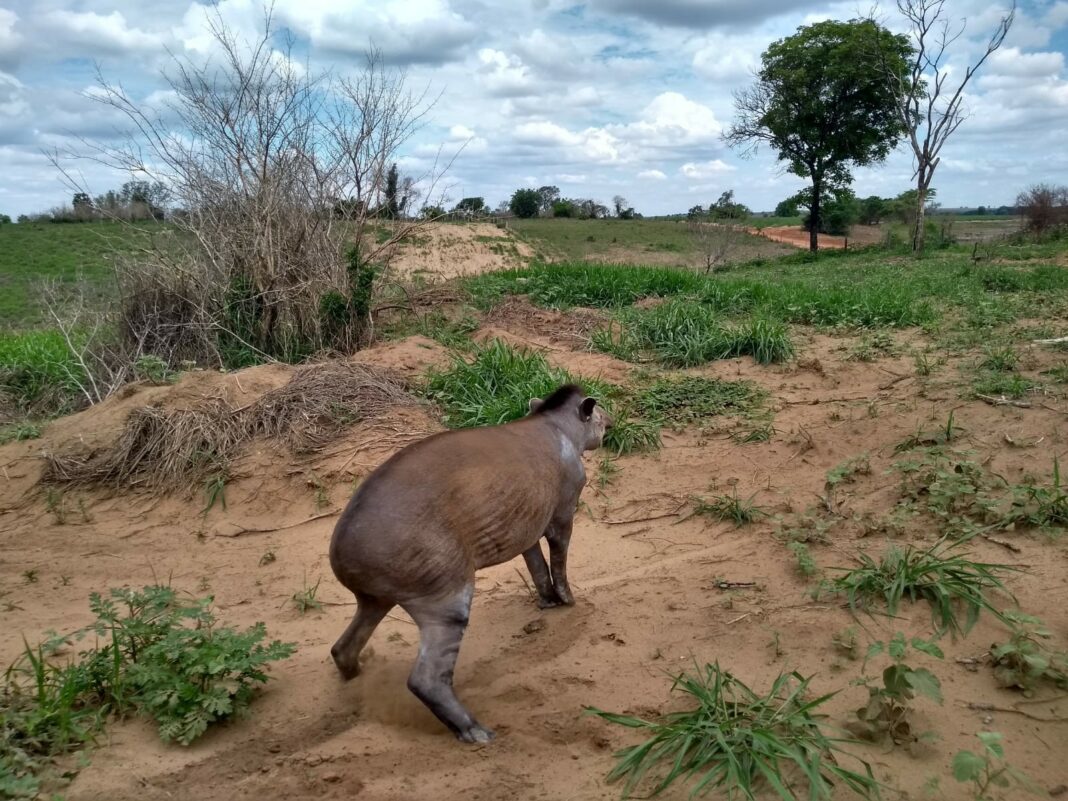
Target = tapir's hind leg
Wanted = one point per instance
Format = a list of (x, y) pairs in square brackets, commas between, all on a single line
[(346, 651), (442, 621)]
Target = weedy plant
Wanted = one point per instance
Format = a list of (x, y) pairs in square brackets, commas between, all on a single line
[(214, 492), (1039, 506), (307, 598), (941, 436), (890, 703), (946, 580), (1026, 659), (730, 508), (155, 654), (19, 432), (1001, 359), (737, 740), (607, 470), (685, 400), (988, 772), (805, 564)]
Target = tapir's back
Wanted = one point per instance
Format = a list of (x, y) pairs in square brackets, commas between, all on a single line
[(443, 507)]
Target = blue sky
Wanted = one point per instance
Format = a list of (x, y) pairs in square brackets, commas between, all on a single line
[(599, 98)]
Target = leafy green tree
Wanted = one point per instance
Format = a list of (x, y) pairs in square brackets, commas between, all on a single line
[(872, 210), (695, 212), (823, 104), (525, 203), (788, 208), (472, 205), (839, 207), (564, 208), (548, 196), (726, 209), (431, 212), (5, 219)]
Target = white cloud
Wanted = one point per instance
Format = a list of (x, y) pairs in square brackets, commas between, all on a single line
[(1009, 61), (672, 120), (89, 31), (707, 169), (631, 97)]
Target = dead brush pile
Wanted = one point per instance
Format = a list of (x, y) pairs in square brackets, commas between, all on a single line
[(165, 449)]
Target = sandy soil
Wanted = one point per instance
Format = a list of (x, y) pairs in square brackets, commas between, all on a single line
[(442, 250), (645, 578)]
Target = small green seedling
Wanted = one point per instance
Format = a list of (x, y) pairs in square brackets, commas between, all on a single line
[(988, 772), (890, 703), (805, 564), (607, 471), (215, 492), (1025, 659), (306, 599)]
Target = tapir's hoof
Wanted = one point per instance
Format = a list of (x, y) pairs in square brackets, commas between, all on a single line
[(347, 671), (476, 734), (548, 603)]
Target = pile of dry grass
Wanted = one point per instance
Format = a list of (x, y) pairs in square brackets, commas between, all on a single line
[(165, 449)]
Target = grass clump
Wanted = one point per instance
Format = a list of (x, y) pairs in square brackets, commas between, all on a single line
[(685, 400), (156, 655), (738, 740), (685, 333), (494, 386), (560, 286), (730, 508), (945, 580), (1000, 384), (19, 432), (39, 372), (495, 383)]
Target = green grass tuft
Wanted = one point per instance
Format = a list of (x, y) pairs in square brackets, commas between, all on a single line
[(943, 579), (738, 741), (39, 372), (685, 333), (495, 383)]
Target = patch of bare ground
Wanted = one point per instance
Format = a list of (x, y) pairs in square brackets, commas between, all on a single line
[(653, 585), (442, 250)]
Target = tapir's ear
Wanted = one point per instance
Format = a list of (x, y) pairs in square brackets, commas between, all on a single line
[(534, 404), (587, 408)]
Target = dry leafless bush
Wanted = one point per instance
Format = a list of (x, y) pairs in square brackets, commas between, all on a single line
[(715, 241), (275, 173), (1044, 206), (166, 449)]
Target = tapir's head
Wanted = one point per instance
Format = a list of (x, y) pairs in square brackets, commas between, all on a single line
[(580, 414)]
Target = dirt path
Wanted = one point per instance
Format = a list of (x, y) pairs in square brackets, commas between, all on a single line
[(647, 601)]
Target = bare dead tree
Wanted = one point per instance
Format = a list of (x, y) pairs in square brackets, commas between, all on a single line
[(1044, 207), (715, 241), (277, 176), (930, 98)]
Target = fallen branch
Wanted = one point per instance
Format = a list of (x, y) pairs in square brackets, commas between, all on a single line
[(1057, 341), (984, 707), (1003, 401), (1003, 543), (733, 585), (242, 530)]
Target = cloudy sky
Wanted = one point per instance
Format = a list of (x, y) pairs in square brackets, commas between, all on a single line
[(600, 98)]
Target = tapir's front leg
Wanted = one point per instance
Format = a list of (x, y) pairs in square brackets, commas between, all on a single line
[(539, 571), (559, 537)]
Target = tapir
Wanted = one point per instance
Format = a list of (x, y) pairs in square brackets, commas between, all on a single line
[(422, 523)]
